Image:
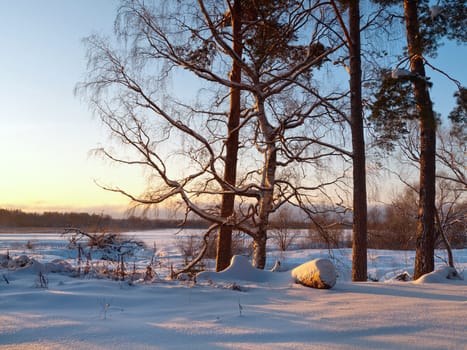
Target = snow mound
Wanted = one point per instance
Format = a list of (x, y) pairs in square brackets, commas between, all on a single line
[(16, 262), (57, 266), (442, 275), (239, 269), (26, 264), (317, 273)]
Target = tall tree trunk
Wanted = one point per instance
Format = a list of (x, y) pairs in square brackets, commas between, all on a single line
[(359, 227), (425, 245), (224, 240)]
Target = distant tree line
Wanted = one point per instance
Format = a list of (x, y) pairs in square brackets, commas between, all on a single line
[(15, 218)]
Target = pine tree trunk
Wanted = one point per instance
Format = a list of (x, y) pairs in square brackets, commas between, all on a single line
[(359, 227), (224, 240), (425, 244)]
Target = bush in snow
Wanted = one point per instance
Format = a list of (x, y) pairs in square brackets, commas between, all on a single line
[(281, 234), (112, 247)]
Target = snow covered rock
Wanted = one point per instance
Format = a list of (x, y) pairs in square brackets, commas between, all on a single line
[(441, 275), (318, 273), (404, 277)]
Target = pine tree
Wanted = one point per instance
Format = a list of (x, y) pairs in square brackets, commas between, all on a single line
[(359, 226), (425, 27)]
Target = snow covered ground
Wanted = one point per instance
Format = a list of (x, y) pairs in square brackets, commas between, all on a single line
[(229, 313)]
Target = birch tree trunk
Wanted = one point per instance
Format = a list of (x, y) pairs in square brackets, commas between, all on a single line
[(267, 185)]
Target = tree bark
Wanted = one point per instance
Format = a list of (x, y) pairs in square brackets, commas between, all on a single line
[(359, 226), (268, 180), (259, 249), (224, 240), (265, 207), (425, 244)]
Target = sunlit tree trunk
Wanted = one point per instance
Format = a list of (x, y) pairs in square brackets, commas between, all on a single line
[(267, 184), (224, 240), (425, 244)]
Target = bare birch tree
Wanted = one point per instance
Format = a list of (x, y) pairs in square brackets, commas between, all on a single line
[(280, 108)]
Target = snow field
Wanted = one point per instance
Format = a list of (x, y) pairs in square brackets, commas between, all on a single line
[(235, 312)]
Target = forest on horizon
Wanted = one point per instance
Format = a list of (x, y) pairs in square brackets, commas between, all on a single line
[(16, 218)]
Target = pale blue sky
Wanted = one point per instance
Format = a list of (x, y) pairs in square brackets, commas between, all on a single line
[(46, 132)]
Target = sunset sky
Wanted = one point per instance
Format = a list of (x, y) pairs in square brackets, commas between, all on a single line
[(47, 132)]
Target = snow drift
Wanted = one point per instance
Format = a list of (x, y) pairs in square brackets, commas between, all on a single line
[(441, 275), (318, 273)]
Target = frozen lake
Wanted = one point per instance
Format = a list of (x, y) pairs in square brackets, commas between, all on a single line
[(382, 264), (162, 237), (165, 240)]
